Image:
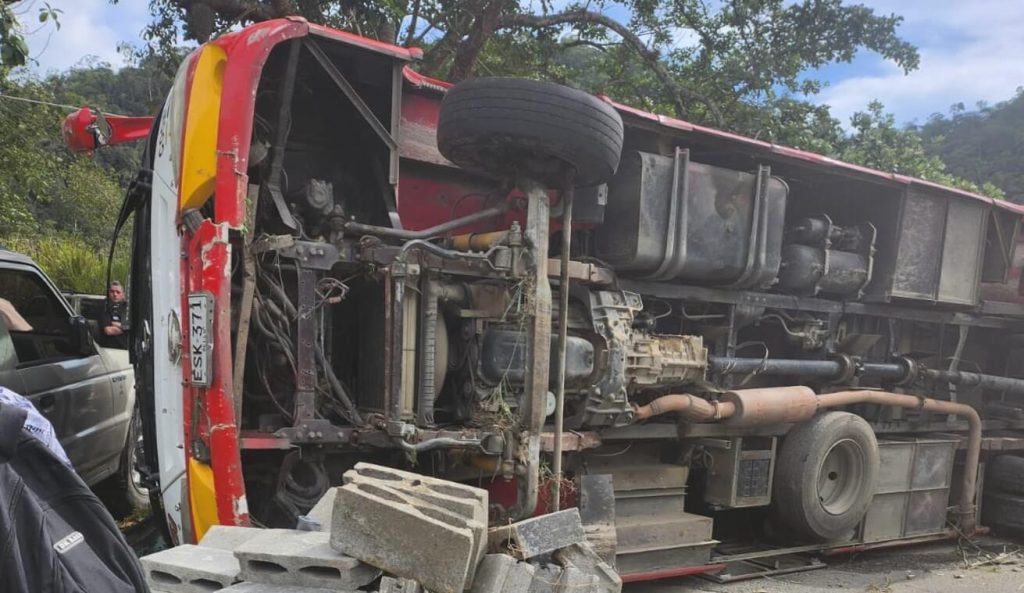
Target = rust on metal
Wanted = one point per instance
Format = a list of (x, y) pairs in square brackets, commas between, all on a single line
[(771, 405)]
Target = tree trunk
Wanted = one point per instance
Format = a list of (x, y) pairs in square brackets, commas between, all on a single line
[(469, 50)]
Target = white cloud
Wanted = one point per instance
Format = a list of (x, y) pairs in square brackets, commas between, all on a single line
[(87, 28), (970, 51)]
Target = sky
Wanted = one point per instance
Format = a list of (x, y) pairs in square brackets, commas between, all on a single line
[(970, 51)]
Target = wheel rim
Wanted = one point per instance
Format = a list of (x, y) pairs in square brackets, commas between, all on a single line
[(841, 476), (135, 459)]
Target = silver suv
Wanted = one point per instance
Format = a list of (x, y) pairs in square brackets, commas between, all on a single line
[(48, 354)]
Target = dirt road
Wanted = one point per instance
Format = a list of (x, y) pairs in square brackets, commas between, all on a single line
[(997, 567)]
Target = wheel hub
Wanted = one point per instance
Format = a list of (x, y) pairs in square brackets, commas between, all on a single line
[(840, 477)]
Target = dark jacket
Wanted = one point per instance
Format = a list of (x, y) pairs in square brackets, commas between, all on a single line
[(114, 312), (55, 536)]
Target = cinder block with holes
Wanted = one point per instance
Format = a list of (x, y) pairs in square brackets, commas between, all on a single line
[(228, 537), (460, 499), (305, 558), (190, 569), (538, 535), (404, 535)]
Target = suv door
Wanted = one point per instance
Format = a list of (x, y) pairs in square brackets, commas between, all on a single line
[(68, 384)]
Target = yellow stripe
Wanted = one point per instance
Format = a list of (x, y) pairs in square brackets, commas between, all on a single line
[(199, 158), (202, 497)]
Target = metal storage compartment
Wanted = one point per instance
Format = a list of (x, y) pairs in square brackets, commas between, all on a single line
[(940, 250), (740, 472), (669, 218), (913, 489)]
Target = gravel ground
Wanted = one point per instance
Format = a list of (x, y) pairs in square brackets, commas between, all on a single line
[(932, 568)]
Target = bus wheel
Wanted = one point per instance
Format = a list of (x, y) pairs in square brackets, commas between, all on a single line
[(1004, 512), (1003, 505), (825, 477), (508, 127), (1006, 474)]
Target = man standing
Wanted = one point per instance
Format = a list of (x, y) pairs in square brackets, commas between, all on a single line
[(112, 329)]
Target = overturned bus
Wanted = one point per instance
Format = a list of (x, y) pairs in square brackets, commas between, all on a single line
[(719, 348)]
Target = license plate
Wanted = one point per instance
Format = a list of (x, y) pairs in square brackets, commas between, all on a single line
[(200, 322)]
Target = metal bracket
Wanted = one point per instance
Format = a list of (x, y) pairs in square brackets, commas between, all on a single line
[(305, 379), (316, 431), (350, 92), (312, 255)]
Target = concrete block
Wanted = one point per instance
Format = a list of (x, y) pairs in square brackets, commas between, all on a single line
[(322, 510), (268, 588), (501, 573), (574, 580), (404, 536), (305, 558), (407, 480), (393, 585), (460, 499), (546, 579), (190, 569), (597, 511), (585, 558), (538, 535), (228, 537)]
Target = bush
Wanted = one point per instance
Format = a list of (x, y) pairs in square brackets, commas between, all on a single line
[(72, 264)]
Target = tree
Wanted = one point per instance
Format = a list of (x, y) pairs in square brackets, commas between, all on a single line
[(877, 143), (727, 64), (986, 145), (13, 48), (59, 207)]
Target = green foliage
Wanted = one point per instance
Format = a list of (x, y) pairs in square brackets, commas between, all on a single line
[(57, 206), (13, 49), (737, 64), (73, 264), (878, 143), (982, 146), (43, 187)]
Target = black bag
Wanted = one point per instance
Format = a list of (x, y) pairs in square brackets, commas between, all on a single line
[(55, 535)]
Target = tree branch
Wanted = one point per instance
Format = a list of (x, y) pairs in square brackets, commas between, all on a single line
[(412, 23), (231, 9), (651, 57), (469, 50)]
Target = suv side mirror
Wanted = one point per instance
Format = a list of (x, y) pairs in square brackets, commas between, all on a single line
[(81, 335)]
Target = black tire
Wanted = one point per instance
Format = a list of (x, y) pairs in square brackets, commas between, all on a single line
[(136, 494), (825, 476), (1005, 474), (123, 493), (510, 126), (1003, 512)]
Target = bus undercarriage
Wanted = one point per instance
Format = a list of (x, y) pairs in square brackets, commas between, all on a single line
[(738, 349)]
